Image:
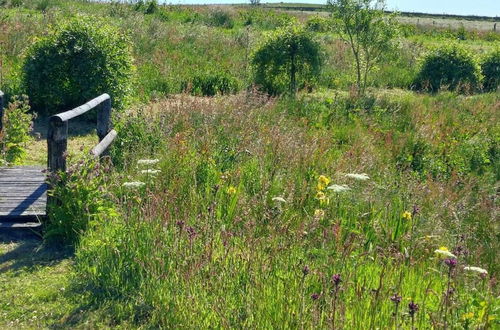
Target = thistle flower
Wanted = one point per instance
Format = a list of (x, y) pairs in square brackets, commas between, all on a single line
[(147, 161), (443, 252), (133, 184), (396, 298), (356, 176), (305, 270), (476, 269), (279, 199), (407, 216), (336, 279), (338, 188), (315, 296), (412, 308), (451, 262)]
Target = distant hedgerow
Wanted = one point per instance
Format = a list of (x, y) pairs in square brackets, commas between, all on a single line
[(449, 67), (490, 68), (76, 62)]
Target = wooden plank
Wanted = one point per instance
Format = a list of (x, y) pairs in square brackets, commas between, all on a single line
[(1, 109), (17, 225), (104, 144), (67, 115)]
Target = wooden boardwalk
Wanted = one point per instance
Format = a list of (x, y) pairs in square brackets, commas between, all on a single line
[(23, 195)]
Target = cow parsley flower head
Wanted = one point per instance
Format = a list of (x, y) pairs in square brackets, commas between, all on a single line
[(279, 199), (150, 171), (443, 252), (133, 184), (338, 188), (358, 176), (476, 269), (147, 161)]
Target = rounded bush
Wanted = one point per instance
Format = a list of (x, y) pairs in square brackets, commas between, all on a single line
[(286, 60), (319, 24), (76, 62), (490, 67), (449, 67)]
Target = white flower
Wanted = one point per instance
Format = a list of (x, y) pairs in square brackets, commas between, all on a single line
[(445, 253), (338, 188), (147, 161), (361, 177), (150, 171), (476, 269), (279, 199), (133, 184)]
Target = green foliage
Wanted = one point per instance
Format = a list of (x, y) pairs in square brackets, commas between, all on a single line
[(76, 62), (220, 18), (286, 60), (318, 23), (211, 84), (369, 32), (490, 68), (17, 125), (147, 7), (79, 201), (450, 67)]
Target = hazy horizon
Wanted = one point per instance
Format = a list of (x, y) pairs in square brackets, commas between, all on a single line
[(453, 7)]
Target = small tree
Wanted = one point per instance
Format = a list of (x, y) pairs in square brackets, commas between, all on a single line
[(255, 2), (490, 68), (368, 30), (287, 57)]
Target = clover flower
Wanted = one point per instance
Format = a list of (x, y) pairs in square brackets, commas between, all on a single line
[(147, 161), (358, 176), (338, 188), (133, 184)]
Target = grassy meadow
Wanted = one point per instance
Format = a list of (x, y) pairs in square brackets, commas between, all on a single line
[(244, 210)]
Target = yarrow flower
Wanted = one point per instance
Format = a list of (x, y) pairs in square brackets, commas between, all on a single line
[(279, 199), (476, 269), (443, 252), (133, 184), (147, 161), (150, 171), (361, 176), (338, 188), (407, 216)]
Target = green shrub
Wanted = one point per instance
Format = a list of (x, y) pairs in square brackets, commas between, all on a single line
[(490, 68), (451, 67), (211, 84), (319, 24), (79, 201), (220, 18), (76, 62), (147, 7), (17, 124), (288, 58)]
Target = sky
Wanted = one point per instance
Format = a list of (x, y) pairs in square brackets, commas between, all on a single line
[(458, 7)]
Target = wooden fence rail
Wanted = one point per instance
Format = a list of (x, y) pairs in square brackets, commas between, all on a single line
[(57, 137), (1, 110)]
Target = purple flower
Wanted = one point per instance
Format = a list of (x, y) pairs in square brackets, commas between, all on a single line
[(191, 232), (396, 299), (451, 262), (305, 270), (180, 224), (416, 210), (336, 279), (412, 308), (315, 296)]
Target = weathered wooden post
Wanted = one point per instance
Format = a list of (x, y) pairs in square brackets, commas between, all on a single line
[(57, 144), (104, 119), (1, 110)]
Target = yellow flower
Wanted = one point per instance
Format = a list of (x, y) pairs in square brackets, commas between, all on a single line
[(467, 316), (323, 181), (323, 200), (406, 215), (319, 213), (231, 190)]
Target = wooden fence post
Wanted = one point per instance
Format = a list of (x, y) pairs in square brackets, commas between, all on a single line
[(57, 144), (103, 119), (1, 110)]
